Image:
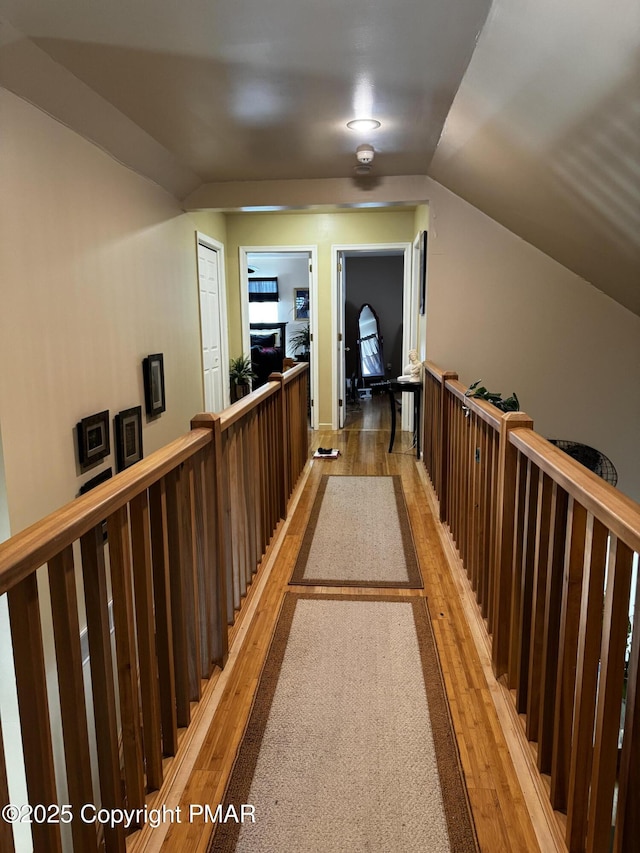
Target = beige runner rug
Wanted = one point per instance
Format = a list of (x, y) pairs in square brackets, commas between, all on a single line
[(358, 535), (349, 745)]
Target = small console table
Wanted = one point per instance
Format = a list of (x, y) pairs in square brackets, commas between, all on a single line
[(414, 388)]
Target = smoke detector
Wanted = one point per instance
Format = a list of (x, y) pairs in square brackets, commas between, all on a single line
[(365, 154)]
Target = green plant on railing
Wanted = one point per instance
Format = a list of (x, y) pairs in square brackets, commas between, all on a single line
[(479, 392)]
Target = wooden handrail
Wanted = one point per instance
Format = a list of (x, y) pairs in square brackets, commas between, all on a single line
[(37, 544), (611, 507), (293, 372), (434, 370), (239, 409), (489, 413)]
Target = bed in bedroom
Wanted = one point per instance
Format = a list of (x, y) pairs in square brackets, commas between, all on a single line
[(268, 349)]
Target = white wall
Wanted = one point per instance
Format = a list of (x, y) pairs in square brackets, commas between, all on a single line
[(501, 311)]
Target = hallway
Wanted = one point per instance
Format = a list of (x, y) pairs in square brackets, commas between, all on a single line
[(501, 818)]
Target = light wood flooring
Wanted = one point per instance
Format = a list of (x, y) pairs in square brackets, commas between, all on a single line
[(501, 817)]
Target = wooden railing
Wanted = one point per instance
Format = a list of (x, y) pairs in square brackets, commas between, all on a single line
[(549, 549), (168, 547)]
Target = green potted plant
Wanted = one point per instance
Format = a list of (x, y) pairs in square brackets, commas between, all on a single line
[(300, 342), (240, 376), (511, 404)]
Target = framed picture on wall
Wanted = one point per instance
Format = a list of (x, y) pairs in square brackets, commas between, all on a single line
[(93, 438), (423, 272), (153, 371), (301, 303), (128, 437)]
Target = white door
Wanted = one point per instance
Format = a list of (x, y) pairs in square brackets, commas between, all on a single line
[(210, 320)]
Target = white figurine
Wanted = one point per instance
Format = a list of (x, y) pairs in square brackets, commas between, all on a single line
[(412, 370)]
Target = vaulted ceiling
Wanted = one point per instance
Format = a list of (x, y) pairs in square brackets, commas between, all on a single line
[(528, 109)]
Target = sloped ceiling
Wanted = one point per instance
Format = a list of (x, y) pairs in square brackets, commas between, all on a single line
[(533, 116), (544, 134)]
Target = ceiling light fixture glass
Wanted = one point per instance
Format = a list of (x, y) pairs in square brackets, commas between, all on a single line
[(363, 124)]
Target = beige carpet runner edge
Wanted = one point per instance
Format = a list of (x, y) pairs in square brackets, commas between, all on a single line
[(358, 534), (349, 745)]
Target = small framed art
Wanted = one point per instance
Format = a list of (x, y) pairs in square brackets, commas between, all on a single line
[(93, 438), (301, 303), (128, 437), (153, 370)]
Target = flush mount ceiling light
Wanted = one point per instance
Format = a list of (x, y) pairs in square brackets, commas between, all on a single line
[(363, 124)]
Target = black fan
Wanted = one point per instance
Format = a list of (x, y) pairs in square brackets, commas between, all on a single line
[(590, 458)]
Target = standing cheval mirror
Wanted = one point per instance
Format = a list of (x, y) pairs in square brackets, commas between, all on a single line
[(370, 344)]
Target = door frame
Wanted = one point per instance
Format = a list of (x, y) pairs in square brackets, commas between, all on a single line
[(312, 251), (409, 314), (217, 247)]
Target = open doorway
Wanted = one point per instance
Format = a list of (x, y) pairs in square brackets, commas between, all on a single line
[(279, 310), (381, 276)]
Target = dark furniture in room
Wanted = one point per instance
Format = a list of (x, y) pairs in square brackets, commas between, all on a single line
[(414, 388), (268, 349)]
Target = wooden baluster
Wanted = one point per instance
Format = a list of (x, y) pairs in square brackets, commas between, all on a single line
[(216, 484), (66, 632), (213, 522), (190, 582), (268, 414), (31, 682), (224, 492), (6, 832), (204, 567), (102, 683), (179, 539), (463, 469), (517, 567), (568, 649), (526, 591), (119, 561), (551, 630), (588, 661), (538, 604), (290, 438), (262, 473), (146, 634), (235, 510), (284, 425), (492, 501), (254, 486), (471, 537), (444, 472), (505, 517), (241, 505), (273, 474), (482, 463), (456, 490), (627, 833), (610, 684), (163, 618)]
